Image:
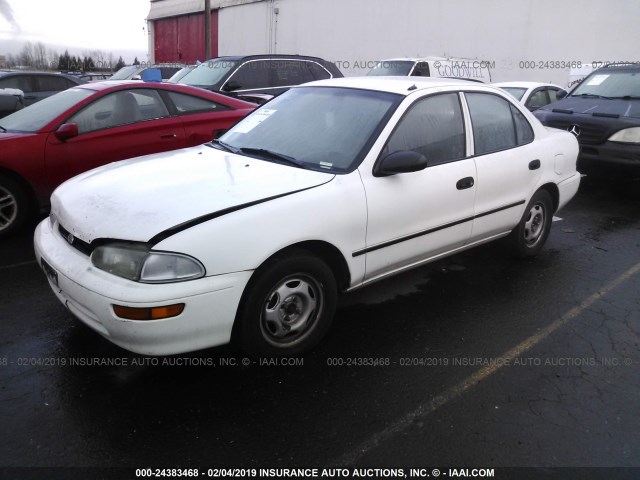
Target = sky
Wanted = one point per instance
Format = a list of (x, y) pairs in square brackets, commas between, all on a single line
[(116, 26)]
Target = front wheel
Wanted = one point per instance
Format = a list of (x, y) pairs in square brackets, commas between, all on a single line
[(287, 307), (528, 238)]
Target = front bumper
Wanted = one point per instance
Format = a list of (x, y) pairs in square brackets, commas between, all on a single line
[(89, 293), (609, 154)]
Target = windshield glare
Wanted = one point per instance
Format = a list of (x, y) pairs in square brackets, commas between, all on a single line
[(125, 73), (36, 116), (209, 73), (324, 128), (391, 68), (610, 84)]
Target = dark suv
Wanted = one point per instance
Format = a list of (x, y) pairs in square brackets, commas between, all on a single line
[(259, 74), (603, 112), (34, 85)]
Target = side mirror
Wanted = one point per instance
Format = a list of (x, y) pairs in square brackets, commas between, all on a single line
[(136, 77), (561, 94), (66, 131), (218, 133), (231, 86), (403, 161)]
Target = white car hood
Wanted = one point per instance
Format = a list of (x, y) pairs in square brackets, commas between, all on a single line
[(138, 199)]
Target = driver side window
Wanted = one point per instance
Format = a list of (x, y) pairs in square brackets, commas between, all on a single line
[(120, 108), (434, 127)]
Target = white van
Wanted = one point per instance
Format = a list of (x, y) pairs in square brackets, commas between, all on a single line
[(444, 67), (576, 75)]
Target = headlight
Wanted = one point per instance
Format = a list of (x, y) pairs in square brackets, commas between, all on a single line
[(138, 263), (628, 135)]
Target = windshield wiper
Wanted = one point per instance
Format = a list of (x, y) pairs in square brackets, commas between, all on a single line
[(591, 95), (271, 154), (2, 128), (627, 97), (224, 146)]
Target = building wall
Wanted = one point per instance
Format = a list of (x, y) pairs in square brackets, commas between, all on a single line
[(181, 39), (507, 33)]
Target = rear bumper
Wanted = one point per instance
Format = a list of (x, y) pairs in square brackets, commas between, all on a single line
[(567, 189)]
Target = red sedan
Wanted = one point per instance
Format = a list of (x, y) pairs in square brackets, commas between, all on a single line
[(91, 125)]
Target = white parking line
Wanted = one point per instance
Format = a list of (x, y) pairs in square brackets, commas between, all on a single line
[(438, 401), (15, 265)]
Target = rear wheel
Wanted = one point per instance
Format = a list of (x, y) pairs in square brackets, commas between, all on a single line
[(288, 306), (14, 206), (528, 238)]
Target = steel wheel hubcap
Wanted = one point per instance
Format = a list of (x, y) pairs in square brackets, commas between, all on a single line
[(291, 309), (8, 208), (534, 225)]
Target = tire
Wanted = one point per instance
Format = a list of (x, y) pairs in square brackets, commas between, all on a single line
[(14, 206), (528, 238), (287, 307)]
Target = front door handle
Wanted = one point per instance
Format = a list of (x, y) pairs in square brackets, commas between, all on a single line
[(534, 164), (464, 183), (169, 135)]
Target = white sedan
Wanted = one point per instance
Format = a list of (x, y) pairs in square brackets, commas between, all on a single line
[(532, 95), (327, 188)]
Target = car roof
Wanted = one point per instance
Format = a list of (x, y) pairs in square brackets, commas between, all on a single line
[(522, 84), (277, 56), (176, 87), (399, 85)]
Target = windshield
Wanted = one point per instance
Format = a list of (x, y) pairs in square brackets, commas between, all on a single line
[(209, 73), (125, 73), (393, 68), (36, 116), (321, 128), (610, 83), (516, 92)]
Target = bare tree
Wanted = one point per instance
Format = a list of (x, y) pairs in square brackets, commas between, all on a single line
[(40, 55), (26, 56)]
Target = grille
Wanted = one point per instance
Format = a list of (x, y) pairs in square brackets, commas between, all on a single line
[(589, 134), (78, 244)]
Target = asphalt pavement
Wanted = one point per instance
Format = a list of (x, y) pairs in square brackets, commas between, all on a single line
[(478, 361)]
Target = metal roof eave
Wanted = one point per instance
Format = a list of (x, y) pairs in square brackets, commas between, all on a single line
[(175, 8)]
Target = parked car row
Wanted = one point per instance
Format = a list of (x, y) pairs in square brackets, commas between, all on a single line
[(95, 124), (207, 245)]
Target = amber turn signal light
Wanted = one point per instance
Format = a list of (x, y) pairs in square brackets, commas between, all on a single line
[(148, 313)]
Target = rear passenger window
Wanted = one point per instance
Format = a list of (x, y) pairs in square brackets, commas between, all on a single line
[(21, 82), (524, 132), (252, 75), (492, 121), (290, 72), (433, 127), (50, 83), (497, 124), (190, 104), (317, 72)]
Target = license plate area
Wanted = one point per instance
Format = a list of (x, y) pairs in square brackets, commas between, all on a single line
[(49, 271)]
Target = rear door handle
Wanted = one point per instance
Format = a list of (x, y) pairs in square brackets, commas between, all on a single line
[(169, 135), (464, 183), (534, 164)]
